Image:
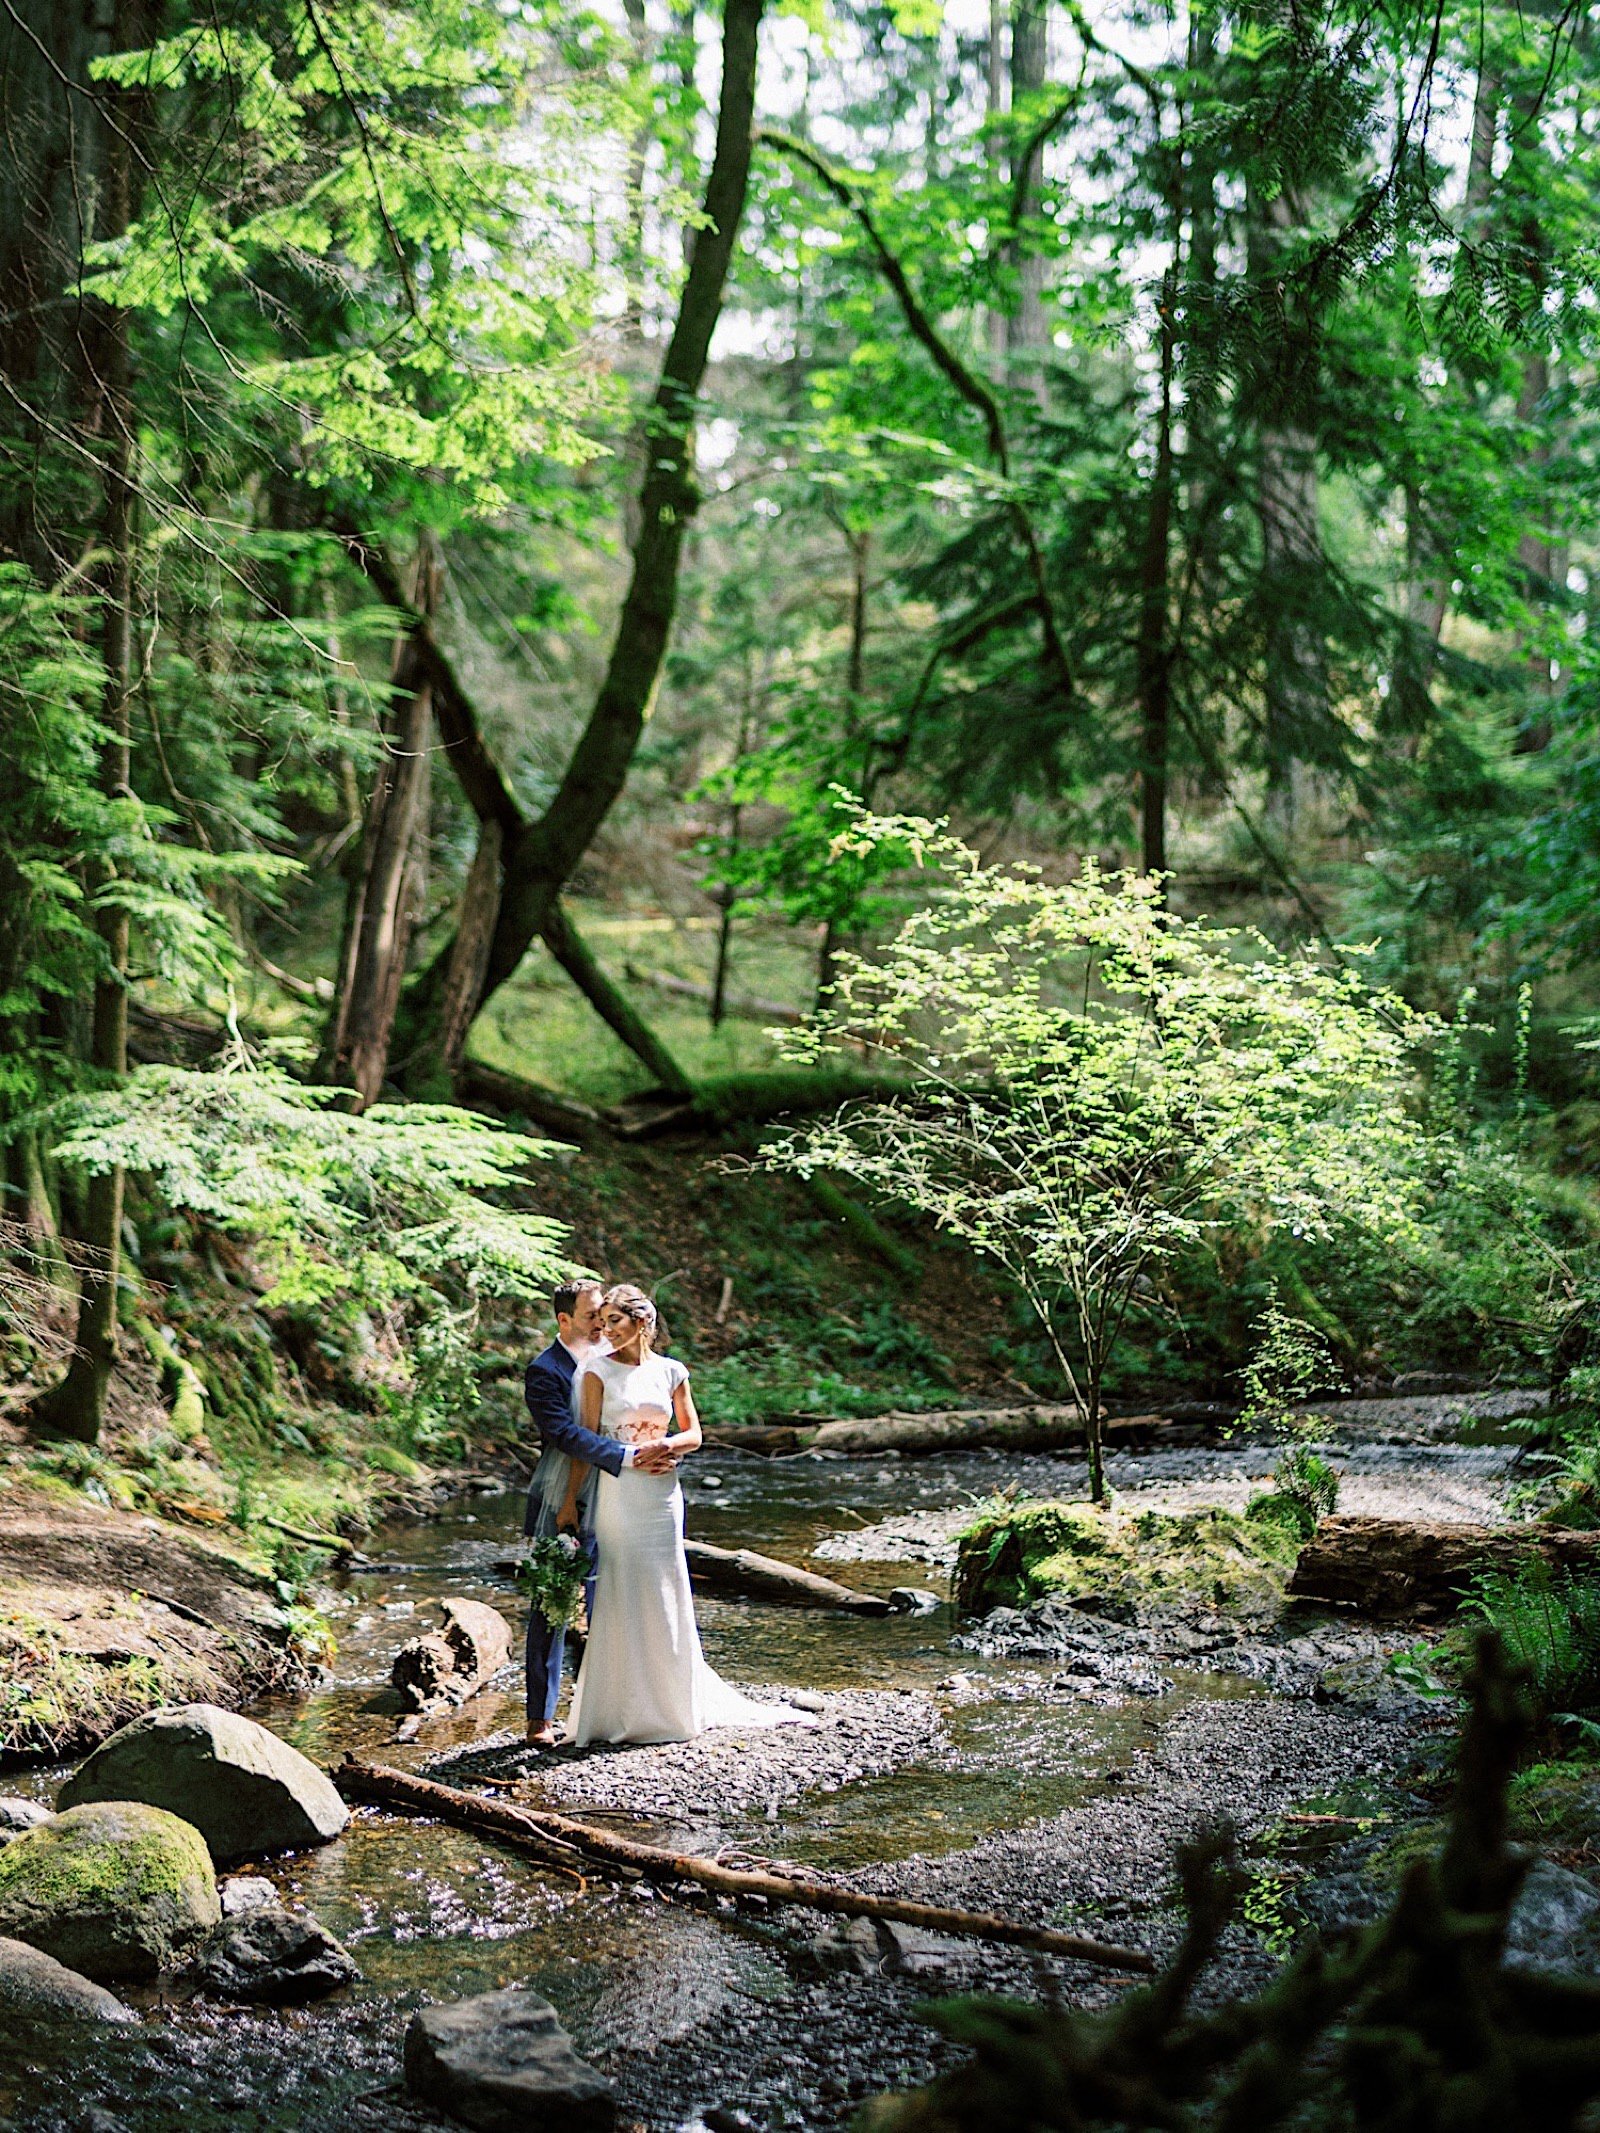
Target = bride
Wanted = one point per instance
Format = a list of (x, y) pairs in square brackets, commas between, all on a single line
[(644, 1677)]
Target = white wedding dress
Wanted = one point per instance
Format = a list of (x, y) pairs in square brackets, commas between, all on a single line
[(644, 1677)]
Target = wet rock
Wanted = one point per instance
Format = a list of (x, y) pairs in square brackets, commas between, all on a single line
[(878, 1947), (17, 1815), (116, 1889), (913, 1600), (246, 1791), (1337, 1904), (274, 1958), (1099, 1659), (247, 1892), (35, 1988), (1555, 1923), (502, 2062)]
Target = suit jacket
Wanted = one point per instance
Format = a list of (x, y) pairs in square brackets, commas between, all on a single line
[(547, 1388)]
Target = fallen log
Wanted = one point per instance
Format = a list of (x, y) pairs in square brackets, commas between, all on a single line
[(741, 1006), (335, 1543), (559, 1836), (488, 1088), (775, 1440), (1403, 1566), (742, 1574), (1022, 1429), (745, 1575), (436, 1672)]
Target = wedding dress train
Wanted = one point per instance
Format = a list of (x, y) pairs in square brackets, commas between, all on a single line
[(644, 1677)]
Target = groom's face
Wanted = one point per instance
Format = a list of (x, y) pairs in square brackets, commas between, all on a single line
[(586, 1319)]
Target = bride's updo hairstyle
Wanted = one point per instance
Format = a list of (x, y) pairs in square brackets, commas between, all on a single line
[(633, 1303)]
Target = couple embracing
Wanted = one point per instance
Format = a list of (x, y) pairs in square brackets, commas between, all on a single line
[(614, 1420)]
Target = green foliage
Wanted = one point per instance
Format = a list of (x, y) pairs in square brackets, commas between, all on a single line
[(342, 1206), (396, 178), (1550, 1625), (811, 869), (1099, 1084), (1292, 1363), (552, 1575), (398, 1212), (69, 850)]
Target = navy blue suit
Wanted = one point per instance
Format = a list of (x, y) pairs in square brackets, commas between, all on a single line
[(547, 1388)]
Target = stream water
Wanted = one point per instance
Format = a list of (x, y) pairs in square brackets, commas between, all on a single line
[(432, 1913)]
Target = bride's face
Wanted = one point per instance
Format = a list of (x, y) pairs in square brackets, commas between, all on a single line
[(620, 1330)]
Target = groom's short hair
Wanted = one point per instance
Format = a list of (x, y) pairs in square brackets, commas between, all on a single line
[(564, 1301)]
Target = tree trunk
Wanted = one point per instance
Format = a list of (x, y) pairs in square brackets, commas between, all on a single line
[(994, 108), (541, 860), (1294, 679), (1399, 1566), (387, 901), (76, 1407), (726, 895), (613, 1007), (1154, 659), (443, 1669), (469, 950), (55, 195), (1027, 332), (744, 1574)]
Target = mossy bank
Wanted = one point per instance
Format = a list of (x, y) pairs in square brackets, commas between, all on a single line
[(1141, 1566)]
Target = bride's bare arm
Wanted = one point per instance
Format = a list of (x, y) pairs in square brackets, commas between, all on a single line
[(687, 1437)]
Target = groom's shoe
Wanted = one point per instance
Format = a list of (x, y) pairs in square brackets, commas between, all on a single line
[(546, 1736)]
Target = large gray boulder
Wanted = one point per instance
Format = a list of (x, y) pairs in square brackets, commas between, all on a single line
[(503, 2063), (36, 1989), (274, 1958), (246, 1791), (1555, 1923), (114, 1888)]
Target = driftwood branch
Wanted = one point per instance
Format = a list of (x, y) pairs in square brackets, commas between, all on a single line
[(560, 1836), (750, 1576), (743, 1574), (434, 1673), (1398, 1566)]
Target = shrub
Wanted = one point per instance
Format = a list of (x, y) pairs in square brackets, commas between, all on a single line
[(1096, 1085), (1550, 1625)]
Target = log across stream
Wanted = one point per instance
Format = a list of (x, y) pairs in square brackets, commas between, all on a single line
[(562, 1840)]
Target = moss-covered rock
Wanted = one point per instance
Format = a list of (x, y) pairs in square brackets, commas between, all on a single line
[(114, 1889), (1148, 1563)]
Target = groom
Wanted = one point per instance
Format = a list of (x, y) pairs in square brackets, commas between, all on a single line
[(547, 1388)]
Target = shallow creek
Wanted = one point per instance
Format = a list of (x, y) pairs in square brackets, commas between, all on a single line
[(645, 1985)]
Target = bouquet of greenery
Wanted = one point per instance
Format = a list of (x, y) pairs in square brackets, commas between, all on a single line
[(552, 1574)]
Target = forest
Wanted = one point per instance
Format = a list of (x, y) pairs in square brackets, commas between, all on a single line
[(889, 701)]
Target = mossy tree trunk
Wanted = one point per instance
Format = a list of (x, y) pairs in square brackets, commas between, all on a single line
[(387, 896), (542, 858), (76, 1406)]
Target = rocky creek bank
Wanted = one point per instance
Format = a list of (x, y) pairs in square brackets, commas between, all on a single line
[(1045, 1758)]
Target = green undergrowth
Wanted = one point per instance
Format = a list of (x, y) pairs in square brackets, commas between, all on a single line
[(57, 1698), (1121, 1564)]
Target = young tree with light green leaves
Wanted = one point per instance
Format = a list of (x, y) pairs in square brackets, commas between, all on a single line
[(1094, 1084)]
